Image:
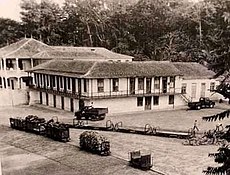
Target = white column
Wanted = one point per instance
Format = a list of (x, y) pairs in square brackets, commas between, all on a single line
[(144, 90), (17, 65), (1, 65), (19, 83), (161, 78), (152, 85), (4, 62), (32, 64)]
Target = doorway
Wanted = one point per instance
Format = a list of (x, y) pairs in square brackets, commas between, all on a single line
[(148, 85), (148, 101), (132, 85), (71, 105), (164, 84)]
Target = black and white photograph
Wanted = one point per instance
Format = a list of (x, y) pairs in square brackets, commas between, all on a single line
[(114, 87)]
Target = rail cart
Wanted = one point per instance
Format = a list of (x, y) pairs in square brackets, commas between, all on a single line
[(140, 161), (17, 123), (35, 124), (57, 131)]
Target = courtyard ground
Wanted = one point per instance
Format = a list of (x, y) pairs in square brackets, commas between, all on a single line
[(169, 155)]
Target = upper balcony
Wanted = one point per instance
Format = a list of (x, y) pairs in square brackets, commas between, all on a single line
[(13, 73), (108, 94)]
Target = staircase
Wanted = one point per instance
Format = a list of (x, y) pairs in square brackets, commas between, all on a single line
[(186, 98)]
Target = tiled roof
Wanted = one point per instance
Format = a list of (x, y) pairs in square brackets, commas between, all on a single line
[(99, 52), (66, 67), (24, 48), (192, 70), (107, 69), (53, 54)]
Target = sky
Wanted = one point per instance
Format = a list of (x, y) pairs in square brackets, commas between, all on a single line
[(11, 8)]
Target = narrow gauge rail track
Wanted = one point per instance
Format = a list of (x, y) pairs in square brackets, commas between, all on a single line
[(118, 127)]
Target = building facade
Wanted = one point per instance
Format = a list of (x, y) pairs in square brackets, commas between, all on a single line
[(122, 87), (197, 81), (28, 52)]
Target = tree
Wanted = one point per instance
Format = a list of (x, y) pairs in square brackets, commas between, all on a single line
[(10, 31), (223, 155)]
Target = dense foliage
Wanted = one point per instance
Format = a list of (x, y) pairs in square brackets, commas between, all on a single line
[(159, 30)]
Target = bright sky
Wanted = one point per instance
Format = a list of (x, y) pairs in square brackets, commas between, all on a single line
[(11, 8)]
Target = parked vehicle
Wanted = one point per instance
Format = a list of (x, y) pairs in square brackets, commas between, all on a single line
[(91, 113), (95, 143), (141, 161), (202, 103)]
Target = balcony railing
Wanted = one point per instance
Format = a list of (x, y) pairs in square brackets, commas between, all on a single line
[(109, 94)]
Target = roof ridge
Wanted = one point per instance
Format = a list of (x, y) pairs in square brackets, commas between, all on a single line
[(89, 71), (18, 48)]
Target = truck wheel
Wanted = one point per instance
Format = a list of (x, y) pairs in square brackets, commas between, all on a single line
[(211, 106), (198, 107)]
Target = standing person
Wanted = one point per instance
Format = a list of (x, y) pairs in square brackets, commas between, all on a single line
[(195, 126)]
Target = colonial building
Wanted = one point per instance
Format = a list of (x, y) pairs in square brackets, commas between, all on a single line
[(120, 86), (28, 52), (197, 81)]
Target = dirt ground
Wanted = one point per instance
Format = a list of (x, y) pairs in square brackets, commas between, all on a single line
[(25, 153)]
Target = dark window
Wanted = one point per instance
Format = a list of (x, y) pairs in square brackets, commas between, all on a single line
[(183, 88), (71, 105), (40, 97), (85, 85), (115, 84), (8, 82), (47, 99), (140, 83), (156, 100), (12, 84), (171, 99), (157, 83), (20, 65), (68, 83), (0, 82), (48, 80), (54, 100), (100, 85), (212, 86), (61, 82), (62, 103), (172, 82), (54, 81), (139, 101)]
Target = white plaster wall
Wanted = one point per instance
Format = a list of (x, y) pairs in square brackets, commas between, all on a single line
[(58, 102), (13, 97), (67, 103), (198, 88), (51, 100)]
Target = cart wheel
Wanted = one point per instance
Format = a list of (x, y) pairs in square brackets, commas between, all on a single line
[(211, 106), (198, 107)]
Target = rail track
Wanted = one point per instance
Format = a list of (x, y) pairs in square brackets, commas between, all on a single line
[(118, 127)]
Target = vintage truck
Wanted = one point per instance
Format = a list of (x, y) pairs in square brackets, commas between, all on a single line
[(202, 103), (91, 113)]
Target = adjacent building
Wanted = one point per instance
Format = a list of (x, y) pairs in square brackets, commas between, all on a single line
[(197, 81)]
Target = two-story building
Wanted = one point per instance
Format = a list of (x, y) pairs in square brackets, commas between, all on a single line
[(120, 86), (28, 52)]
